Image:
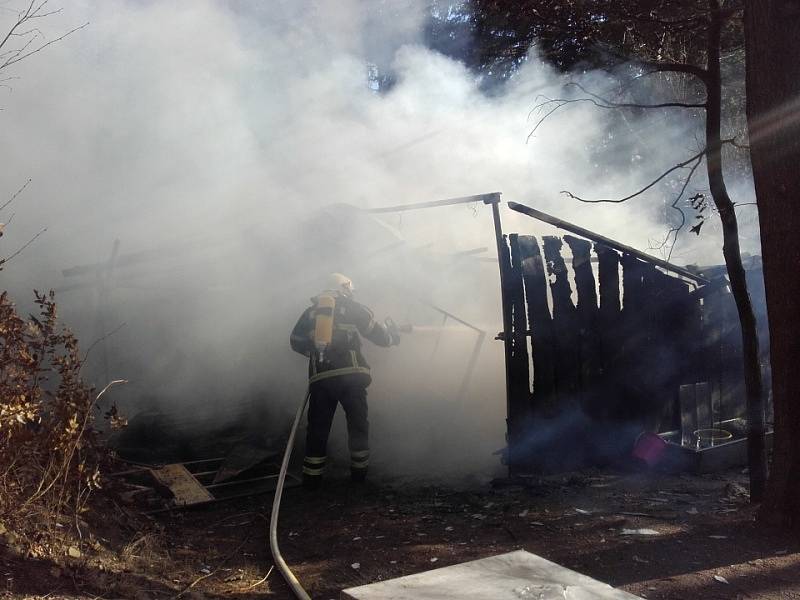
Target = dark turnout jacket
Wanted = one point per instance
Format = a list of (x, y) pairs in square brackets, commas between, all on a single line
[(343, 357)]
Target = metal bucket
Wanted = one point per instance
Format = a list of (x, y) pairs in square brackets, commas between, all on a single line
[(708, 438)]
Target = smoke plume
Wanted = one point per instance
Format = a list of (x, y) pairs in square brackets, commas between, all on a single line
[(208, 138)]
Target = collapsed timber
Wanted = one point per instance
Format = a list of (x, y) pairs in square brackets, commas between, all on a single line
[(661, 353)]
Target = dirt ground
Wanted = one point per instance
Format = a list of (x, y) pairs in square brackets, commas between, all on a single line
[(656, 536)]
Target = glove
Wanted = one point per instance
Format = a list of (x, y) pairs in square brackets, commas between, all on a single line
[(392, 330)]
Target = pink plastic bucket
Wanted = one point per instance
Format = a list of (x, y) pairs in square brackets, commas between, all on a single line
[(650, 448)]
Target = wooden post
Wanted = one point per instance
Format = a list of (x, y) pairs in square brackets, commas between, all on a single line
[(588, 343), (519, 370), (505, 265)]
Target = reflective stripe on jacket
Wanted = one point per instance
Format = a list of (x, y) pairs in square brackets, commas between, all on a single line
[(351, 320)]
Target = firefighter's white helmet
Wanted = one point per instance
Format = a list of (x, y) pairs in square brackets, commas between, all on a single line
[(340, 283)]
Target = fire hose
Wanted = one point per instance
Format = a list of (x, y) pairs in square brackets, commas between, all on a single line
[(294, 584)]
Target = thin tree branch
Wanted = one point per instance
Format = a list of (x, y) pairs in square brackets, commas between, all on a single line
[(561, 102), (47, 14), (10, 62), (28, 243), (656, 66), (668, 23), (21, 18), (608, 104), (97, 341), (16, 52), (17, 193), (108, 387), (35, 31), (599, 102), (702, 15), (641, 191), (260, 581), (215, 571), (611, 104), (667, 67), (674, 205)]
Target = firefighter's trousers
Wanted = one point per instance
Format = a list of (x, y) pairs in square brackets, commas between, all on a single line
[(325, 395)]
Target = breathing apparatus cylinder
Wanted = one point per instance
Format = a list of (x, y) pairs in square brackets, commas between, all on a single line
[(323, 324)]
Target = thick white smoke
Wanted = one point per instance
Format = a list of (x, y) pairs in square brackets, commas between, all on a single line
[(210, 132)]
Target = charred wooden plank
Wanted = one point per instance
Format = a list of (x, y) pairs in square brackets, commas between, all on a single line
[(630, 377), (519, 371), (667, 298), (540, 324), (633, 293), (565, 326), (589, 348), (186, 489), (608, 276), (584, 276), (608, 330), (683, 330), (559, 281)]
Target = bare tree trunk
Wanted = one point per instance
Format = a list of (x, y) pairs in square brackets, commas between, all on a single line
[(756, 451), (772, 37)]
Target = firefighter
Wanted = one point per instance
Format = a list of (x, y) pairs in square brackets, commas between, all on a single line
[(329, 333)]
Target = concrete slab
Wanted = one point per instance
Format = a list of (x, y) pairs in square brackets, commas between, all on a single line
[(517, 575)]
